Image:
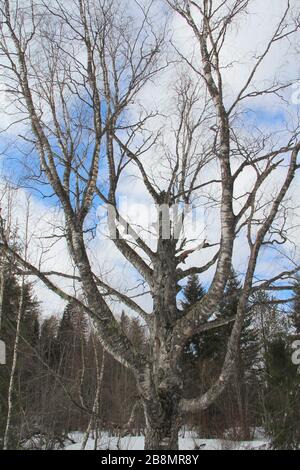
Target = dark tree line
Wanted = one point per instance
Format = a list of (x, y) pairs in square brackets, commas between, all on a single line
[(75, 74), (264, 391), (56, 384), (57, 375)]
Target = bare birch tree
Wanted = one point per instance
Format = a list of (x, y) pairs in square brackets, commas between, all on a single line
[(6, 202), (93, 425), (74, 73), (7, 433)]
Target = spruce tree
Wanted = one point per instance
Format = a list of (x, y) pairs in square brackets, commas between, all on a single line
[(24, 398), (282, 399), (71, 333), (213, 343), (48, 344), (207, 353), (192, 292)]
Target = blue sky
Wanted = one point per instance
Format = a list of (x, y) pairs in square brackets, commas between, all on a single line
[(265, 113)]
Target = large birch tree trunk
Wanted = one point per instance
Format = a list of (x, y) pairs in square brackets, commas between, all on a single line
[(162, 410), (76, 173), (162, 431)]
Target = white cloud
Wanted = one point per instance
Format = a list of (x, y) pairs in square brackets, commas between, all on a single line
[(245, 40)]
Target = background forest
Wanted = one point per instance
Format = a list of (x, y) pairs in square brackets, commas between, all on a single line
[(149, 223), (64, 382)]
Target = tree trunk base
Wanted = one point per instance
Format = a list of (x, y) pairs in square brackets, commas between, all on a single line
[(161, 439)]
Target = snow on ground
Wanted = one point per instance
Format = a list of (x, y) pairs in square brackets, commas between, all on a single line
[(108, 442), (188, 442)]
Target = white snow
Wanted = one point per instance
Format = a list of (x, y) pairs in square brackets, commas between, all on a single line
[(213, 317), (188, 442)]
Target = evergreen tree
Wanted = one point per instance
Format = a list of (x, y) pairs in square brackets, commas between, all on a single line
[(30, 329), (212, 344), (241, 388), (71, 346), (125, 322), (71, 334), (48, 347), (282, 399), (192, 292), (26, 370), (206, 354), (66, 329), (269, 319), (8, 328)]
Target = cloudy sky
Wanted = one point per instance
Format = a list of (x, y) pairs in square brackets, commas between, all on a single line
[(247, 39)]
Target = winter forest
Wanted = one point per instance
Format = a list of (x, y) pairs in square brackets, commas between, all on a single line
[(149, 225)]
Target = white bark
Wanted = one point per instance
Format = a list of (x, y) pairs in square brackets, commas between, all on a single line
[(95, 421), (6, 439), (159, 380), (10, 404)]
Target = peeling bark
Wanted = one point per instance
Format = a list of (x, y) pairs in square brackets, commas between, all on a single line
[(158, 375)]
